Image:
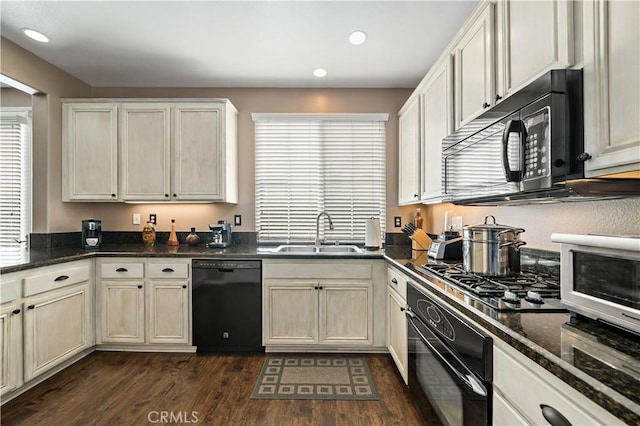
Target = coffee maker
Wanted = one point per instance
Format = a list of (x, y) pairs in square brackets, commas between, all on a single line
[(91, 234), (221, 234)]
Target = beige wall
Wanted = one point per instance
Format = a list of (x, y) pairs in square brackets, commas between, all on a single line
[(52, 215), (49, 213), (13, 98), (541, 220)]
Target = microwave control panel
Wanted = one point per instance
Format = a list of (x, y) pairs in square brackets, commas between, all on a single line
[(537, 145)]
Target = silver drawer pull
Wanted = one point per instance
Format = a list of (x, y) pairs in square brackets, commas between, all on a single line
[(62, 278)]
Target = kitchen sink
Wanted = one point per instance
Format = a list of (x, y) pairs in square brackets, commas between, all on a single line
[(322, 249)]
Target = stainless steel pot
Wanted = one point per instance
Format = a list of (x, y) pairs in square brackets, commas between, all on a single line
[(490, 249)]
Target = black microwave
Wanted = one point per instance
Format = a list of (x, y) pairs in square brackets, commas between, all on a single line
[(528, 147)]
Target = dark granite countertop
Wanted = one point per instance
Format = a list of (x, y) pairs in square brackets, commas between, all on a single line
[(36, 258), (599, 361)]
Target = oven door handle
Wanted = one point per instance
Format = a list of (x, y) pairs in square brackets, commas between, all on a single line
[(468, 379)]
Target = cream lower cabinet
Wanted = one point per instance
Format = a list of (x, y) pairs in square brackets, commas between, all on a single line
[(57, 315), (144, 302), (515, 403), (57, 325), (11, 342), (397, 321), (320, 304), (320, 312)]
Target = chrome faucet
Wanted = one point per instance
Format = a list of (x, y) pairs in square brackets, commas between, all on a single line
[(323, 213)]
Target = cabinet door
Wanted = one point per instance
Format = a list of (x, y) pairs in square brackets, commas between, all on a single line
[(198, 152), (397, 332), (90, 152), (145, 136), (533, 37), (437, 122), (122, 317), (474, 84), (57, 325), (346, 313), (409, 153), (11, 347), (168, 311), (504, 414), (291, 312), (611, 86)]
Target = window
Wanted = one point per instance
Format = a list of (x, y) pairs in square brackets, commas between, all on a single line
[(15, 182), (309, 163)]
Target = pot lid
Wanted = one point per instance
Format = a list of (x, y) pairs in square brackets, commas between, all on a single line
[(492, 226)]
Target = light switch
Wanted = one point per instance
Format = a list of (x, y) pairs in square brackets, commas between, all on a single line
[(136, 218)]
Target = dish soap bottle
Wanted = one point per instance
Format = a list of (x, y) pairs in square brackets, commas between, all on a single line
[(418, 220), (149, 234), (192, 239), (173, 238)]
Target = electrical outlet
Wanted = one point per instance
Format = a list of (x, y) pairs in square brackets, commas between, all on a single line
[(136, 218), (237, 220), (152, 218), (397, 221)]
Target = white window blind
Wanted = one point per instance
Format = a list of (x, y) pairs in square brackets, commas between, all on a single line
[(15, 183), (309, 163)]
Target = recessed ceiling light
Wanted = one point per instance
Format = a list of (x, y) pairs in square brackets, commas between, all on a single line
[(320, 72), (357, 37), (35, 35)]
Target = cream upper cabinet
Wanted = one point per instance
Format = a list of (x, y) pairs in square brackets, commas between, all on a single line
[(611, 86), (474, 57), (437, 122), (532, 38), (145, 163), (90, 152), (158, 150), (409, 152), (204, 152)]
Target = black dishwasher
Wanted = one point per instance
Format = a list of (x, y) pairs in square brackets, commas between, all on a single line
[(227, 305)]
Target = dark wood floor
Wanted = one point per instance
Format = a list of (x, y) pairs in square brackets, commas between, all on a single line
[(117, 388)]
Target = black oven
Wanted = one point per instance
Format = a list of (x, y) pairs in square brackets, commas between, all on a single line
[(450, 363)]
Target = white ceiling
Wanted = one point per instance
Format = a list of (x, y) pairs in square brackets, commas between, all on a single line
[(238, 43)]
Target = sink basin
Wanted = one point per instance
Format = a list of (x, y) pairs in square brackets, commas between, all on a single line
[(322, 249)]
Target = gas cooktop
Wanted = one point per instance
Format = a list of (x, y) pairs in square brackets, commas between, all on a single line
[(526, 292)]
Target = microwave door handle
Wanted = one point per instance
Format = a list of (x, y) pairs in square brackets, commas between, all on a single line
[(468, 379), (512, 126)]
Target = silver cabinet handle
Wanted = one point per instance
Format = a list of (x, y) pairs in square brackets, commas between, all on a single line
[(553, 416)]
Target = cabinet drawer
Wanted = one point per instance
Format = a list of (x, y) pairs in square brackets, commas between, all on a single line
[(10, 289), (51, 278), (398, 282), (122, 270), (168, 270), (512, 369)]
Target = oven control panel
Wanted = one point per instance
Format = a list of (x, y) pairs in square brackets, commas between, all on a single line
[(436, 319)]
